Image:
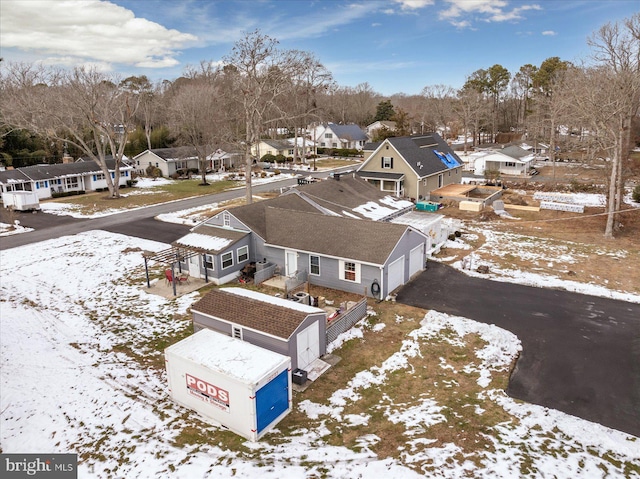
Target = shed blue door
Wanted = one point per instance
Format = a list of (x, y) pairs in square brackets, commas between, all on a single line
[(272, 399)]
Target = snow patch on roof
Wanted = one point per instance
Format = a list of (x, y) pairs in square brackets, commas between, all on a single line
[(197, 240), (265, 298), (232, 357)]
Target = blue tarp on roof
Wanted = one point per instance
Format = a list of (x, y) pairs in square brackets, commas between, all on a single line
[(447, 159)]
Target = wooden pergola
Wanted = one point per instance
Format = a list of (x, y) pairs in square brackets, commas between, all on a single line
[(171, 256)]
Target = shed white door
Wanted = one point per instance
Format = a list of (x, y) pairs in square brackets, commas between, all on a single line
[(308, 341), (396, 274), (416, 260)]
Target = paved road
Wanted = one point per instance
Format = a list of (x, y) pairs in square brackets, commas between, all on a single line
[(138, 222), (581, 354)]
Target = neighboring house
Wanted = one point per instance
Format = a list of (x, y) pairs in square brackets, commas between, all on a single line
[(284, 147), (301, 234), (374, 128), (222, 160), (277, 324), (333, 135), (479, 162), (411, 166), (169, 160), (350, 196), (46, 180)]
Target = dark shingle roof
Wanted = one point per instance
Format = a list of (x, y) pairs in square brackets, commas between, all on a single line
[(351, 132), (357, 239), (253, 215), (177, 153), (60, 170), (251, 313), (13, 176), (346, 192), (419, 153)]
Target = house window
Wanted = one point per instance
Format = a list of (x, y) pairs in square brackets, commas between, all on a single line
[(236, 332), (243, 254), (42, 184), (323, 144), (510, 164), (314, 265), (227, 260), (71, 182), (328, 135), (440, 181), (290, 152), (208, 261), (226, 219), (387, 162), (350, 271), (334, 145)]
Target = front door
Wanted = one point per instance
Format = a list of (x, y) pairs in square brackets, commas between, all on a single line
[(291, 263)]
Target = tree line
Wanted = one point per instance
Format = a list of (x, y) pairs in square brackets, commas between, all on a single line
[(259, 90)]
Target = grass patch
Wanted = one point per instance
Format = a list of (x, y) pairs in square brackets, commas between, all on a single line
[(97, 202)]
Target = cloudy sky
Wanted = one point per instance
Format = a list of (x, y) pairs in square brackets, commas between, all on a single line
[(397, 46)]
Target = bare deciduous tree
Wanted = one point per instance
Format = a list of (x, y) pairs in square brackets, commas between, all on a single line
[(83, 107)]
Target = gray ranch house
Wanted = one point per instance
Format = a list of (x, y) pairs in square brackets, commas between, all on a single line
[(411, 166), (300, 237), (280, 325)]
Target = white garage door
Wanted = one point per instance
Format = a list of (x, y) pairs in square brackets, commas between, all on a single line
[(416, 260), (308, 345), (396, 274)]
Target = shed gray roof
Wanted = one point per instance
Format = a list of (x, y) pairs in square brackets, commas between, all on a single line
[(251, 313), (359, 240)]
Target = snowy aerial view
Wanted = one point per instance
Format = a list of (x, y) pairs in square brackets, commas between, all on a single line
[(82, 371)]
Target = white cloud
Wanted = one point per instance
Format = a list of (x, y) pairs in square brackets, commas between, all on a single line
[(549, 33), (88, 31), (414, 4), (487, 10)]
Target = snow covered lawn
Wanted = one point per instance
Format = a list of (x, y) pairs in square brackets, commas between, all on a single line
[(81, 349)]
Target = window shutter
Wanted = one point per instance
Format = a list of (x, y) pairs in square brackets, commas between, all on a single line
[(382, 162), (391, 163)]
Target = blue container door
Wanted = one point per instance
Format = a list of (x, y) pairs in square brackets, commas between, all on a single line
[(272, 399)]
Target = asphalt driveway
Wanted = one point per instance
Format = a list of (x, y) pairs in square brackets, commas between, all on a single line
[(581, 354)]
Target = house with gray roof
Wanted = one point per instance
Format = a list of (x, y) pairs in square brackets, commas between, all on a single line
[(47, 179), (277, 324), (333, 243), (333, 135), (169, 160), (411, 166)]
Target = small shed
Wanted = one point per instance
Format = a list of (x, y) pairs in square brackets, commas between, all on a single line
[(280, 325), (230, 383), (21, 200)]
